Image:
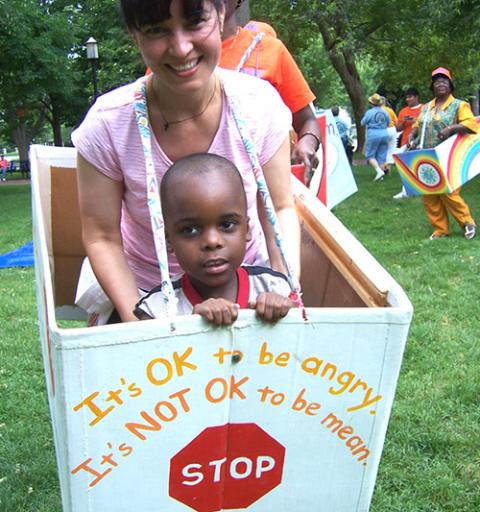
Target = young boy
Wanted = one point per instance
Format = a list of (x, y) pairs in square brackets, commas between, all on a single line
[(206, 225)]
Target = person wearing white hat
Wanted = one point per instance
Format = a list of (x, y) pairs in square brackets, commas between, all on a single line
[(376, 121)]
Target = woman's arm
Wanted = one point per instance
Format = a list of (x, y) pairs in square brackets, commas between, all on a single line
[(454, 128), (100, 201), (309, 138), (277, 173), (466, 123)]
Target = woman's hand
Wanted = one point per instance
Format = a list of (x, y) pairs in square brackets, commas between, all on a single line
[(446, 133), (217, 311), (305, 153), (411, 144), (271, 306), (309, 136)]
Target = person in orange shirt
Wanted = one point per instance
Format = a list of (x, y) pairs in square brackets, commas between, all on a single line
[(439, 119), (262, 55), (408, 114), (406, 117)]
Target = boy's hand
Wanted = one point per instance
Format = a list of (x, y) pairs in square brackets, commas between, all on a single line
[(217, 311), (270, 306)]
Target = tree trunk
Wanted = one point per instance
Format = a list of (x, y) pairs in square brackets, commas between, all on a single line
[(21, 139), (24, 133), (56, 125), (343, 62)]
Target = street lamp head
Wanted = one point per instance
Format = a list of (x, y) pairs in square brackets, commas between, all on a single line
[(92, 49)]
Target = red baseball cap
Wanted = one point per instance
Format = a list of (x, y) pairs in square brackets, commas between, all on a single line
[(442, 71)]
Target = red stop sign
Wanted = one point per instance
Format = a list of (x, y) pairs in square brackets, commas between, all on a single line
[(226, 467)]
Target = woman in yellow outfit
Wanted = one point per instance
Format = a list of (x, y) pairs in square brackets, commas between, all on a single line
[(441, 118)]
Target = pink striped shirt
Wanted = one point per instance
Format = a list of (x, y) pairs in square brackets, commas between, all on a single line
[(108, 138)]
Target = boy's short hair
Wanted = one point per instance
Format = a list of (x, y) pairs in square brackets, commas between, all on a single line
[(205, 164)]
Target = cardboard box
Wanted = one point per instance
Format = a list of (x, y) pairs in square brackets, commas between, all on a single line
[(257, 417)]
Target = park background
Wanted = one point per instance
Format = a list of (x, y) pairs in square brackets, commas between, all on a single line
[(347, 50)]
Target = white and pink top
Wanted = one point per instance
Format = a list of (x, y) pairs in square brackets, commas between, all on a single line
[(109, 139)]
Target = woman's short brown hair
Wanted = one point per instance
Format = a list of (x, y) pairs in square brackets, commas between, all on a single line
[(140, 13)]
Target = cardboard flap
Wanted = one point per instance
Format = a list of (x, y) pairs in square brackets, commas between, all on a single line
[(67, 243)]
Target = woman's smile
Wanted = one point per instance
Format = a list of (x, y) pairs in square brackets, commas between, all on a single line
[(185, 69)]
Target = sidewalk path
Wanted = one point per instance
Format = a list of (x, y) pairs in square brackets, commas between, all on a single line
[(14, 182), (359, 161)]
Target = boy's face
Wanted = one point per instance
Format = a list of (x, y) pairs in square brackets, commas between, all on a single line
[(207, 229)]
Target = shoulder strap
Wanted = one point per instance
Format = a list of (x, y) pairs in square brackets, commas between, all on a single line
[(262, 186), (249, 50), (426, 119), (153, 199)]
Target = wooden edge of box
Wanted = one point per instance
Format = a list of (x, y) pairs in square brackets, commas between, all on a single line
[(364, 274)]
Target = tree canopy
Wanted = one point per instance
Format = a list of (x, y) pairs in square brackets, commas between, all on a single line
[(371, 45), (45, 76), (347, 50)]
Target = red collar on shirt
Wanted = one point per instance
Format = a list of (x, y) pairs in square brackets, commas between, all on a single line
[(243, 291)]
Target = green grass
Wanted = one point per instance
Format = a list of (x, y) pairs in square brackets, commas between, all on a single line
[(431, 460), (15, 175), (28, 479)]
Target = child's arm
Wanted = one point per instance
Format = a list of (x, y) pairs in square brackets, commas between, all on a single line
[(271, 306), (217, 311)]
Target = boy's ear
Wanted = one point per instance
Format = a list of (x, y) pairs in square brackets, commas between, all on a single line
[(249, 232)]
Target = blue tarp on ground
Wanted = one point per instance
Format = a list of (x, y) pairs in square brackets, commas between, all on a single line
[(21, 257)]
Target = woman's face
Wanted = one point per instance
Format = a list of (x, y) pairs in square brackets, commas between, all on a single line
[(182, 53), (441, 86)]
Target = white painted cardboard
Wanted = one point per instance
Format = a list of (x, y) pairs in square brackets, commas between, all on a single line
[(328, 386), (340, 180)]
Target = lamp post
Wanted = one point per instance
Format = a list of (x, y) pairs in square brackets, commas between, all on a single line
[(92, 56)]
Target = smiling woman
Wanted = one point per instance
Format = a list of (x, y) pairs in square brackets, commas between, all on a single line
[(133, 134)]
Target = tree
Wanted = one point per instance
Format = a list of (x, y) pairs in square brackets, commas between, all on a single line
[(47, 78), (333, 21), (36, 85), (346, 49), (399, 42)]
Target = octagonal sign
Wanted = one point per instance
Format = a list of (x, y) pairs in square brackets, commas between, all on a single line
[(226, 467)]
